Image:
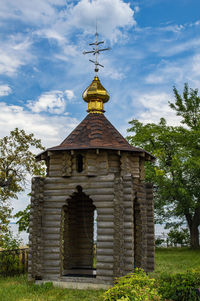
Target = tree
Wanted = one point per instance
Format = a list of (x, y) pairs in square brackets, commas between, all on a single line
[(176, 171), (17, 160)]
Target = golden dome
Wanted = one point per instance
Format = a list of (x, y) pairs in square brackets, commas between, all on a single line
[(96, 95)]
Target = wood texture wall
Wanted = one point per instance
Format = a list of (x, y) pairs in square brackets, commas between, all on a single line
[(124, 204)]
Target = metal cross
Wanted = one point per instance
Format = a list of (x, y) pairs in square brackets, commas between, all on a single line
[(96, 51)]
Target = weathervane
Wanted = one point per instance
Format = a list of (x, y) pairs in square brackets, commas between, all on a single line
[(96, 51)]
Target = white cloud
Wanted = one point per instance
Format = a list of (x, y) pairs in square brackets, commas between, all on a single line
[(111, 15), (50, 129), (53, 102), (14, 53), (55, 19), (5, 90), (70, 94), (179, 72), (153, 106), (35, 11)]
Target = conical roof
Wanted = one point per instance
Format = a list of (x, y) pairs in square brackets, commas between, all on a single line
[(95, 132)]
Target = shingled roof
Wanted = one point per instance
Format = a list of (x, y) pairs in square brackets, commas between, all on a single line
[(95, 132)]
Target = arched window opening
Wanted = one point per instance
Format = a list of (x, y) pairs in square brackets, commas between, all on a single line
[(79, 163), (79, 236)]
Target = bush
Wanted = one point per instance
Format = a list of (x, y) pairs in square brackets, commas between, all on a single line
[(181, 286), (178, 237), (10, 263), (159, 241), (133, 287)]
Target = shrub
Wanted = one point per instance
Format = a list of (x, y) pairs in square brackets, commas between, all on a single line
[(159, 241), (133, 287), (178, 237), (10, 263), (180, 286)]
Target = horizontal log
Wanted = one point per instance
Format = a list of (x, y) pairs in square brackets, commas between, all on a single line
[(103, 201), (113, 169), (104, 251), (129, 267), (100, 190), (52, 223), (54, 217), (104, 231), (129, 232), (52, 269), (129, 198), (105, 244), (51, 230), (80, 178), (51, 256), (56, 166), (52, 211), (104, 266), (105, 218), (105, 258), (55, 173), (61, 197), (50, 236), (128, 204), (52, 263), (105, 279), (103, 212), (103, 272), (50, 249), (54, 204), (105, 224), (104, 237), (127, 190)]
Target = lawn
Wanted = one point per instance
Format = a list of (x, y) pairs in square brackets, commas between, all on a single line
[(169, 260), (175, 260), (18, 289)]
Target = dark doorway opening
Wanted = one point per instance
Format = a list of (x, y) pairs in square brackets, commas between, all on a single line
[(78, 250)]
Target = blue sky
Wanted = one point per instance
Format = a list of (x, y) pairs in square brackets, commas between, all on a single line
[(155, 45)]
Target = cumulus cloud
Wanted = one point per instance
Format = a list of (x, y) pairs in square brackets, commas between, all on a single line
[(111, 15), (51, 129), (5, 90), (154, 106), (53, 102)]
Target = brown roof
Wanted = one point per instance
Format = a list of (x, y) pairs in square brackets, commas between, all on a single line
[(95, 132)]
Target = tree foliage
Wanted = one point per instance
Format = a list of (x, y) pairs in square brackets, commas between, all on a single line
[(176, 171), (17, 160)]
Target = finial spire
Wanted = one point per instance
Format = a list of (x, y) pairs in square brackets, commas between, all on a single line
[(96, 51)]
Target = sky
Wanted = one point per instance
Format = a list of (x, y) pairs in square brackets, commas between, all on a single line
[(155, 44)]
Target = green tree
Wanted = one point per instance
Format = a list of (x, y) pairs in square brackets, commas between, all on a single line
[(176, 171), (17, 160)]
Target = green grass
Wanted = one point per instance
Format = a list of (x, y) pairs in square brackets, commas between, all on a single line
[(18, 289), (175, 260), (171, 260)]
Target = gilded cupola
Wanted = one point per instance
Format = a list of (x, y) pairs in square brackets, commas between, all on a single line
[(96, 95)]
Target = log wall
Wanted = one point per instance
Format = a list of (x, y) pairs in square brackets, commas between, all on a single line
[(125, 236)]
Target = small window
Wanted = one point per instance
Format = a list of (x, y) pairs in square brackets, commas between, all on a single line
[(79, 163)]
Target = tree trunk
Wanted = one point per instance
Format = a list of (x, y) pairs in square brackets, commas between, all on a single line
[(193, 223), (194, 236)]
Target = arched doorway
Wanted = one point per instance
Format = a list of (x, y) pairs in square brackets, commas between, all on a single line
[(78, 236)]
